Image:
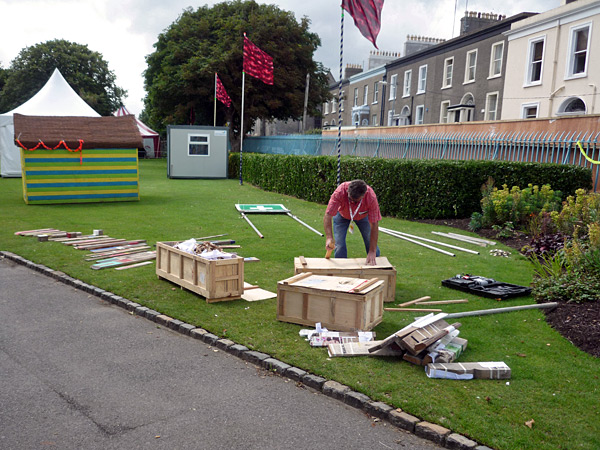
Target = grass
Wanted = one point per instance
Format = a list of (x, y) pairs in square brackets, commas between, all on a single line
[(552, 382)]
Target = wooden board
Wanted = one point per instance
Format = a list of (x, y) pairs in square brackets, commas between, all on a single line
[(351, 267), (124, 260)]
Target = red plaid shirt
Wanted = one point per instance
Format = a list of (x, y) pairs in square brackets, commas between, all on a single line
[(339, 202)]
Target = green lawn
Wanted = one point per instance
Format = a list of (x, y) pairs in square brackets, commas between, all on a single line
[(552, 382)]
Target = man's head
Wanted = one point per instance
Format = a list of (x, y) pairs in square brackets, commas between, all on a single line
[(356, 190)]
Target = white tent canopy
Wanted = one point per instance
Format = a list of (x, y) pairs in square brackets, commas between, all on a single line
[(56, 98), (150, 137)]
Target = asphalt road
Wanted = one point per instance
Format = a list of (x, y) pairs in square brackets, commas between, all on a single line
[(79, 373)]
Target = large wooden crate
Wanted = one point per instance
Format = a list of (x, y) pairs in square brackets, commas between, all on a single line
[(339, 303), (217, 280), (353, 268)]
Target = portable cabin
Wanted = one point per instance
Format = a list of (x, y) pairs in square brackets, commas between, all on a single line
[(197, 151)]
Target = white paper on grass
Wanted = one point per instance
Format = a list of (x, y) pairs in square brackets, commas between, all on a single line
[(434, 373)]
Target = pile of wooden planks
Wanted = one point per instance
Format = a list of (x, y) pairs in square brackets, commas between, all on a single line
[(429, 341), (105, 251)]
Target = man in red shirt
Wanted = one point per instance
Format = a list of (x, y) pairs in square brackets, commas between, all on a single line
[(353, 201)]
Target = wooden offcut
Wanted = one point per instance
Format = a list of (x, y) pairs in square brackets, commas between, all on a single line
[(216, 280), (353, 268), (338, 303)]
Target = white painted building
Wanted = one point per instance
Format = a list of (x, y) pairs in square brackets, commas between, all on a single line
[(553, 65)]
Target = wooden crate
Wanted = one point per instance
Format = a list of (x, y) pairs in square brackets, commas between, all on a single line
[(353, 268), (339, 303), (217, 280)]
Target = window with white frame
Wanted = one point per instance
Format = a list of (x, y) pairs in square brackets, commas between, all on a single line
[(444, 111), (491, 106), (530, 110), (579, 44), (535, 60), (374, 120), (333, 105), (198, 144), (393, 86), (326, 108), (471, 66), (365, 94), (573, 106), (376, 92), (355, 97), (390, 117), (419, 114), (496, 59), (422, 86), (407, 81), (448, 69)]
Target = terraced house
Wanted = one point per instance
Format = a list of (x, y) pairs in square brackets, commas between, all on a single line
[(459, 80)]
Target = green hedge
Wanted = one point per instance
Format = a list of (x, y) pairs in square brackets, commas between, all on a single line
[(411, 189)]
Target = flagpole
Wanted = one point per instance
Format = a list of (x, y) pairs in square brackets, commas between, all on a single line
[(215, 115), (242, 124), (339, 137)]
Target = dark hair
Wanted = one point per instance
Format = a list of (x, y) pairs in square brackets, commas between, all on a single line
[(356, 189)]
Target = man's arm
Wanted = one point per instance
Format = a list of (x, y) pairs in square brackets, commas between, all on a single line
[(329, 241), (372, 254)]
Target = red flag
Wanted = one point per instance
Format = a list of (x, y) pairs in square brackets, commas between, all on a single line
[(366, 15), (222, 93), (257, 63)]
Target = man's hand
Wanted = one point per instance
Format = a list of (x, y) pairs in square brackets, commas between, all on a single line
[(329, 247), (372, 258)]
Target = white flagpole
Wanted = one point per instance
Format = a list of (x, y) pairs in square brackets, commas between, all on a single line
[(215, 115), (242, 126)]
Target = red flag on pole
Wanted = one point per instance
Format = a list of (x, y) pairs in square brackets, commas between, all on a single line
[(257, 63), (222, 93), (366, 15)]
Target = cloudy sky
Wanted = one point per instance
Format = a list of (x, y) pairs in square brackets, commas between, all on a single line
[(124, 31)]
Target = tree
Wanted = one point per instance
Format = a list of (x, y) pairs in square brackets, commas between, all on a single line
[(85, 70), (179, 79)]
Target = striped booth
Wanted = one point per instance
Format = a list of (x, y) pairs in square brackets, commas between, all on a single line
[(78, 159)]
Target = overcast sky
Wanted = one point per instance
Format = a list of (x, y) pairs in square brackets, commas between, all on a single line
[(124, 31)]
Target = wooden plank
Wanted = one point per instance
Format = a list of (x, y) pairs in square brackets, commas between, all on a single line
[(412, 309), (122, 261), (131, 266), (412, 302)]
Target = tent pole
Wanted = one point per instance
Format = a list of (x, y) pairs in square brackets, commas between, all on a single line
[(215, 114)]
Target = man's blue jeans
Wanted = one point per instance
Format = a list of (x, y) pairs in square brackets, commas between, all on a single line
[(340, 230)]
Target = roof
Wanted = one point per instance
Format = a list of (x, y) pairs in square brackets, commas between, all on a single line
[(56, 98), (145, 130), (96, 132)]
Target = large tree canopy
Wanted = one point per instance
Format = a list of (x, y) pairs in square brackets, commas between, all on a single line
[(85, 70), (180, 74)]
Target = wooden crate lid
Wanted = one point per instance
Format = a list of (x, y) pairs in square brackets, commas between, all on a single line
[(333, 283), (341, 263)]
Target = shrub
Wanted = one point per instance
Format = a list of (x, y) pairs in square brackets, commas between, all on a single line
[(413, 189), (516, 206)]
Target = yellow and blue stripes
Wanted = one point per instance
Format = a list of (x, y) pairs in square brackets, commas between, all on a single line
[(99, 175)]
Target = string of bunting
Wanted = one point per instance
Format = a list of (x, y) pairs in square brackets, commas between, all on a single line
[(62, 142)]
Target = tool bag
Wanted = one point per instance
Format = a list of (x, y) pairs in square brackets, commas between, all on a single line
[(485, 287)]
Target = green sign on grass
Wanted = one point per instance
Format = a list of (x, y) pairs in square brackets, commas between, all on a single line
[(261, 208)]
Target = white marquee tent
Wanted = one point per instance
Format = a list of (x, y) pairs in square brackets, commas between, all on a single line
[(56, 98), (150, 137)]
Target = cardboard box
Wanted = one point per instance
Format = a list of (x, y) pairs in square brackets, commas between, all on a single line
[(496, 370), (216, 280), (339, 303), (353, 268)]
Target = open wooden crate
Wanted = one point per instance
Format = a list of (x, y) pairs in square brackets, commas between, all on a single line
[(216, 280), (339, 303), (353, 268)]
